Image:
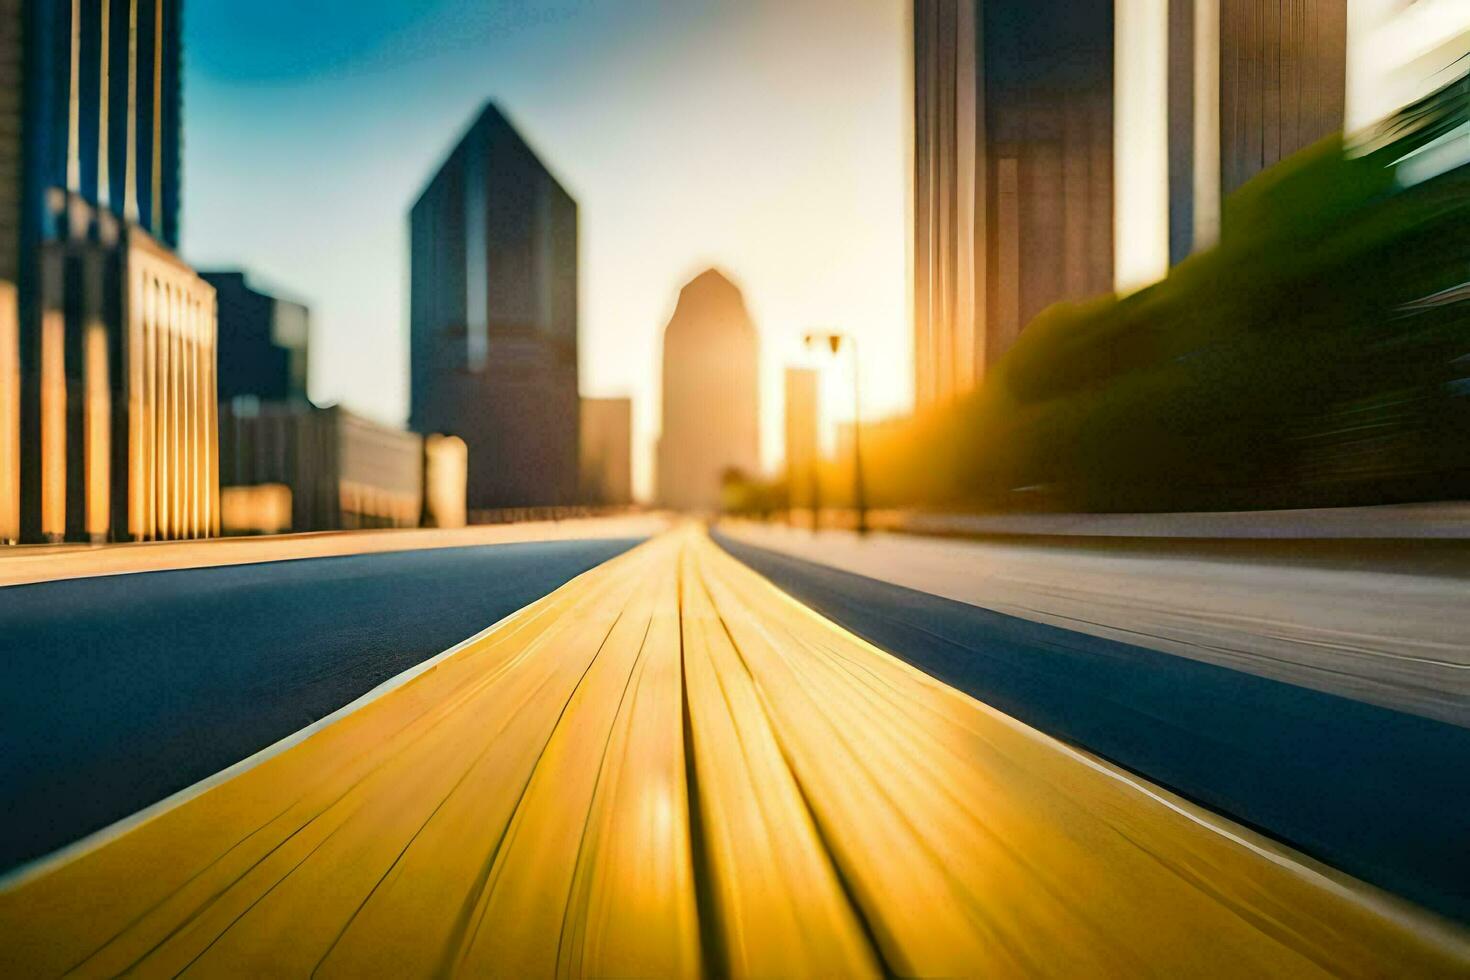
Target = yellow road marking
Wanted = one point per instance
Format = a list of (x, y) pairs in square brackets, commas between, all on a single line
[(667, 768)]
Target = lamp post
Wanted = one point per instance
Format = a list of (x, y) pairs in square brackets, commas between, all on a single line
[(834, 342)]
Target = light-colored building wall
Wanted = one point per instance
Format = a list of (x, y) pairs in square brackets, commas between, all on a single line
[(332, 469), (1398, 52), (382, 472), (11, 67), (120, 405), (168, 386), (446, 467), (607, 451)]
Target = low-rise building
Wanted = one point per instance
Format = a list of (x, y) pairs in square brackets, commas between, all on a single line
[(327, 468)]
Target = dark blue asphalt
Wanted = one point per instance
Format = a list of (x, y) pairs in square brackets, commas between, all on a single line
[(118, 691), (1382, 795)]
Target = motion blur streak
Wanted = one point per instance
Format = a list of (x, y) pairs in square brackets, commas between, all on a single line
[(669, 767)]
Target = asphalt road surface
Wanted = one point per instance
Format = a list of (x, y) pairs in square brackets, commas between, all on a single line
[(123, 689), (668, 768), (1376, 792)]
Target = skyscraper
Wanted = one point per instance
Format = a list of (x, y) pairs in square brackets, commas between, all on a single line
[(115, 337), (1013, 174), (493, 311), (710, 394), (1065, 147)]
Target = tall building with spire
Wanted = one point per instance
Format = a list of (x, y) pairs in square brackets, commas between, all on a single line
[(113, 339), (711, 402)]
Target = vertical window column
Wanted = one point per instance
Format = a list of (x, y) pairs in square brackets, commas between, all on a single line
[(137, 407), (97, 408), (9, 415), (53, 392)]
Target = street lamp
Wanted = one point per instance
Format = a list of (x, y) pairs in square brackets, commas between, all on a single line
[(834, 342)]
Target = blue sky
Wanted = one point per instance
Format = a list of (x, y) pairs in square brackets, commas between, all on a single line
[(769, 138)]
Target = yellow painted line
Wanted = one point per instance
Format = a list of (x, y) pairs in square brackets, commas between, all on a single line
[(670, 768), (65, 855), (777, 901)]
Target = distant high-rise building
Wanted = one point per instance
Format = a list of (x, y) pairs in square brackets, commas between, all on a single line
[(1013, 175), (263, 341), (710, 394), (607, 450), (114, 340), (802, 453), (493, 310)]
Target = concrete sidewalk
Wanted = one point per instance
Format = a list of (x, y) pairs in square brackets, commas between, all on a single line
[(41, 563), (1382, 622), (1441, 521)]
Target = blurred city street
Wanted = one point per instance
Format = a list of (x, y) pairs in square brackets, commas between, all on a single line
[(668, 767), (707, 488)]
